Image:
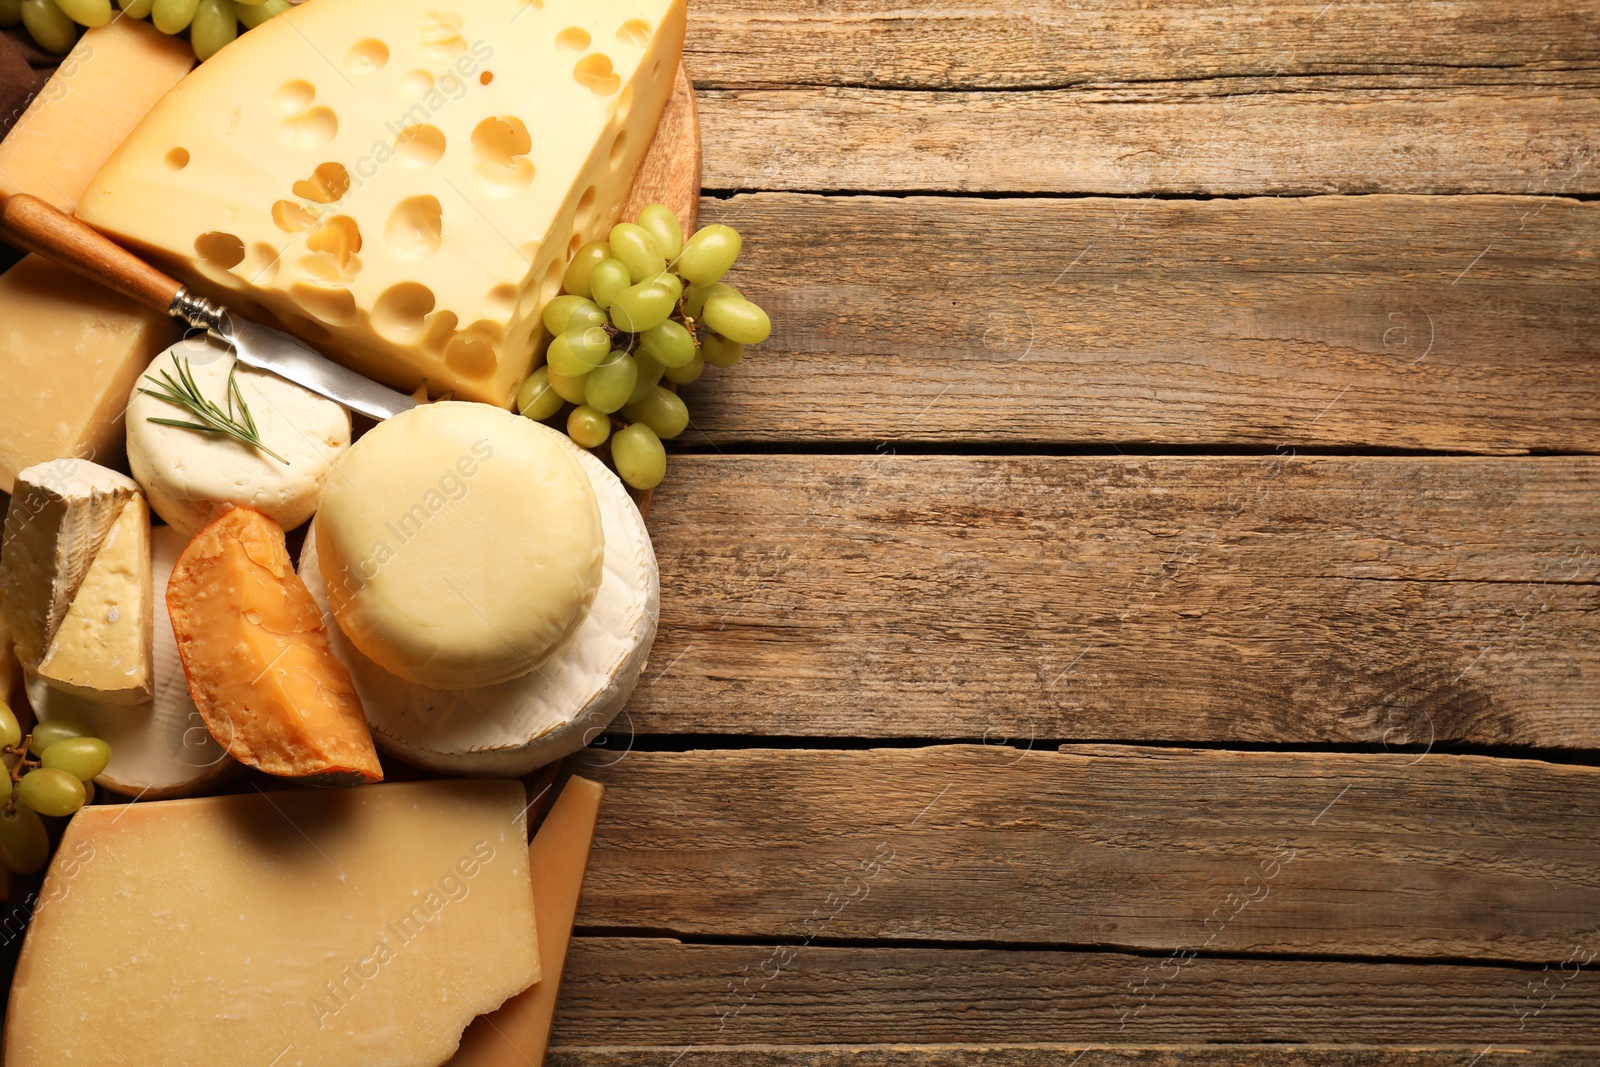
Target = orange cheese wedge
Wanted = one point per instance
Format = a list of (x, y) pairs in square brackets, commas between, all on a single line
[(257, 659)]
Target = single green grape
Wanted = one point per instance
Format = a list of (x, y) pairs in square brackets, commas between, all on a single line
[(649, 375), (538, 399), (10, 12), (608, 278), (690, 374), (642, 307), (49, 791), (673, 283), (253, 16), (216, 24), (670, 344), (662, 224), (709, 254), (86, 12), (638, 250), (48, 733), (173, 16), (578, 351), (81, 757), (49, 26), (699, 294), (24, 845), (610, 385), (662, 410), (588, 426), (137, 9), (567, 388), (640, 459), (590, 256), (565, 312), (10, 729), (737, 320), (88, 792), (721, 352)]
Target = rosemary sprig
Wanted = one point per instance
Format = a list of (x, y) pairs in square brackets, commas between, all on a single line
[(236, 422)]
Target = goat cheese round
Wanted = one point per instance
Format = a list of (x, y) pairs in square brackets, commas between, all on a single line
[(193, 478), (517, 726), (459, 544)]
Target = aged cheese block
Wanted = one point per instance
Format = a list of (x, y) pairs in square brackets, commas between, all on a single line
[(102, 648), (400, 182), (74, 351), (257, 659), (459, 544), (108, 82), (192, 479), (516, 726), (162, 748), (516, 1035), (60, 514), (322, 928)]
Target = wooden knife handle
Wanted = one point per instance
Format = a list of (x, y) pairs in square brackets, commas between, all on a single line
[(34, 225)]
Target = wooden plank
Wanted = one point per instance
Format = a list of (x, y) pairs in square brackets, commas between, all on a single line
[(1228, 139), (1065, 1056), (642, 992), (1461, 323), (1399, 601), (1110, 846), (1038, 43)]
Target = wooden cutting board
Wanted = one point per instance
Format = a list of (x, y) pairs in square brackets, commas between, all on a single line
[(670, 175)]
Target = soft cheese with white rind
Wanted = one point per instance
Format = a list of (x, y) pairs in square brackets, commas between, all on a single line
[(517, 726), (161, 748), (459, 544), (400, 183), (298, 928), (192, 479), (101, 650), (60, 514)]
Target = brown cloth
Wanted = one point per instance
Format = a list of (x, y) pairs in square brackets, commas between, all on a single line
[(24, 68)]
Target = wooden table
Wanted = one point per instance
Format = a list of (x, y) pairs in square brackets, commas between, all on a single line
[(1144, 599)]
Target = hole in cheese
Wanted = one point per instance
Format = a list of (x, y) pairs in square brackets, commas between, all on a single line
[(309, 130), (635, 32), (585, 213), (339, 237), (328, 184), (573, 39), (417, 82), (402, 310), (224, 250), (573, 246), (501, 301), (293, 97), (472, 351), (331, 305), (486, 77), (290, 217), (440, 328), (415, 228), (261, 266), (177, 159), (501, 144), (419, 146), (596, 74), (618, 147), (441, 34), (367, 57)]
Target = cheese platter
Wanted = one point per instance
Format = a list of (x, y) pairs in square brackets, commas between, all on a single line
[(379, 511)]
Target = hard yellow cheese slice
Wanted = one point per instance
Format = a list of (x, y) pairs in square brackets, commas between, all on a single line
[(400, 182)]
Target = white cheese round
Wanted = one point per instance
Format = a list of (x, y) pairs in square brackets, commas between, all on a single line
[(192, 478), (516, 726), (459, 544), (161, 748)]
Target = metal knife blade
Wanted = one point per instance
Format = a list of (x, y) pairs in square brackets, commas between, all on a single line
[(276, 352)]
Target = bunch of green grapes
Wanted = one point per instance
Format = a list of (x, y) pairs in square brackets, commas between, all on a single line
[(51, 776), (642, 307), (211, 23)]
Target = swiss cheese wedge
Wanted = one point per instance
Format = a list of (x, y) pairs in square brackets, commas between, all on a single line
[(400, 182), (257, 659)]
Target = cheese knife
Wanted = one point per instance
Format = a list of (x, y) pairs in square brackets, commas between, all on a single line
[(38, 227)]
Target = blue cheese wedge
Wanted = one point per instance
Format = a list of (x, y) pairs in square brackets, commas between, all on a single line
[(513, 727), (193, 478)]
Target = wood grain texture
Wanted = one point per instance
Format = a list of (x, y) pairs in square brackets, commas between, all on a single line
[(643, 992), (1006, 44), (1462, 323), (1110, 846), (1234, 139), (1283, 598), (1066, 1056)]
